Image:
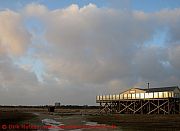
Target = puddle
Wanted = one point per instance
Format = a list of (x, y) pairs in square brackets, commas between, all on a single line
[(36, 113), (76, 130), (51, 122), (54, 125), (92, 123), (83, 121)]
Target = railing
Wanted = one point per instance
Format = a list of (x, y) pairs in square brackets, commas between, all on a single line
[(152, 95)]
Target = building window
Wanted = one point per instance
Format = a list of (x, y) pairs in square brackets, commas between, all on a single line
[(160, 94), (156, 95), (165, 94), (101, 97), (117, 97), (114, 97), (137, 96), (132, 91), (129, 96), (107, 97), (142, 95), (133, 96), (104, 97), (121, 96), (125, 96)]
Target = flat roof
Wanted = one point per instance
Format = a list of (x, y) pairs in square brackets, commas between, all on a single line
[(161, 89)]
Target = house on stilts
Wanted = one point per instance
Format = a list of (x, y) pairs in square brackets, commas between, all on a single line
[(164, 100)]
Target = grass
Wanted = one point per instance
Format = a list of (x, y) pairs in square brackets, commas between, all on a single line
[(16, 118), (138, 120)]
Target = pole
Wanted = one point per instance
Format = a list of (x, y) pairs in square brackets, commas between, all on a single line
[(148, 85)]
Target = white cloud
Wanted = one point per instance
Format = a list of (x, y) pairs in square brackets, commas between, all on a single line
[(13, 36), (35, 10)]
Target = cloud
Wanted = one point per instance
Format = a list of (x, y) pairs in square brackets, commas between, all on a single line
[(94, 41), (174, 54), (97, 45), (13, 36), (35, 10), (86, 51), (15, 82)]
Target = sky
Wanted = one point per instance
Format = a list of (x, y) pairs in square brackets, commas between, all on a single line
[(70, 51)]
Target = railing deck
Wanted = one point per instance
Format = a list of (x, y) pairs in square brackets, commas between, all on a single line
[(152, 95)]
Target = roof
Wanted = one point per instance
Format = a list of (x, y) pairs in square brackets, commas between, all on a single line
[(161, 89)]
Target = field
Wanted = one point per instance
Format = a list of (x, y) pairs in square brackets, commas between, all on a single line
[(70, 119), (139, 122)]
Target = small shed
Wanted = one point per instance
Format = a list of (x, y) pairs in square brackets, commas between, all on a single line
[(51, 108)]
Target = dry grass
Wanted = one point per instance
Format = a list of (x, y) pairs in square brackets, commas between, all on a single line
[(138, 120), (79, 111)]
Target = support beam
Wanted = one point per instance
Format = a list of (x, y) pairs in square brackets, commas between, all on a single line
[(158, 107), (126, 107), (179, 105), (168, 107), (134, 107), (142, 106)]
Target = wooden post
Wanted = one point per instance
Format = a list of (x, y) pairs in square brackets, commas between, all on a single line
[(149, 106), (134, 107), (168, 107), (174, 106), (158, 106), (179, 105), (164, 109), (141, 108)]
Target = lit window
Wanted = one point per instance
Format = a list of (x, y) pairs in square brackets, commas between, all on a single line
[(133, 96), (125, 96), (165, 94), (129, 96), (160, 94), (142, 95), (117, 97), (114, 97), (121, 96), (137, 96), (156, 95)]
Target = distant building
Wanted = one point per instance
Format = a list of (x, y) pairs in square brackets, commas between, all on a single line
[(57, 104)]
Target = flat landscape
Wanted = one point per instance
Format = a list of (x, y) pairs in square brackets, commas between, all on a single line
[(84, 119)]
